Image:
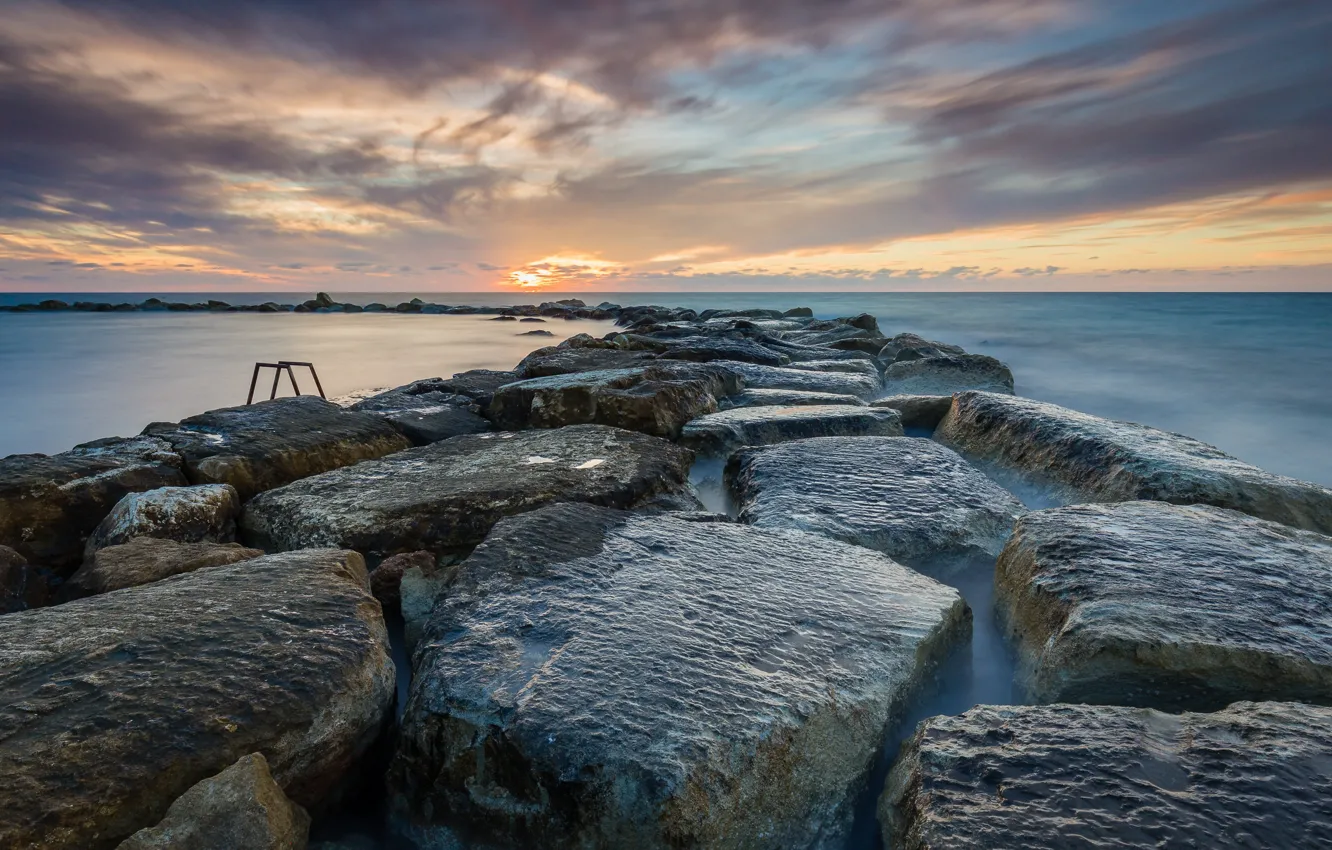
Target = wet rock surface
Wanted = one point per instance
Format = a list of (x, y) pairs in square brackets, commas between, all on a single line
[(559, 360), (112, 707), (657, 399), (912, 347), (203, 514), (444, 498), (386, 579), (711, 349), (1253, 775), (781, 378), (599, 678), (241, 808), (142, 560), (723, 432), (1087, 458), (49, 504), (264, 445), (919, 412), (478, 384), (947, 374), (910, 498), (424, 414), (786, 398), (1167, 606)]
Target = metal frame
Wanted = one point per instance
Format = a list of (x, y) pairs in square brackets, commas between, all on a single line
[(278, 368)]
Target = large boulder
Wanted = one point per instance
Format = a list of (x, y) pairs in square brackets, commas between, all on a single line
[(912, 347), (657, 399), (477, 384), (112, 707), (1254, 775), (565, 360), (709, 349), (910, 498), (142, 560), (948, 374), (724, 432), (241, 808), (445, 497), (1084, 458), (424, 414), (919, 412), (1168, 606), (203, 514), (595, 678), (260, 446), (851, 367), (803, 380), (50, 504), (786, 398)]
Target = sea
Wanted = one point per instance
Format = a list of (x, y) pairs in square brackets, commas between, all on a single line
[(1249, 373)]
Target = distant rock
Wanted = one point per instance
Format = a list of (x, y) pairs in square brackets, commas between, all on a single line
[(561, 360), (539, 332), (723, 432), (595, 678), (264, 445), (1087, 458), (919, 412), (912, 347), (241, 808), (799, 313), (142, 560), (912, 499), (947, 374), (49, 505), (532, 319), (1046, 777), (1167, 606), (786, 398), (425, 414), (203, 514), (443, 498), (503, 319), (113, 707), (776, 378)]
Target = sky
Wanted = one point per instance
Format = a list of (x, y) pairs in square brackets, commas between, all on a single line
[(620, 145)]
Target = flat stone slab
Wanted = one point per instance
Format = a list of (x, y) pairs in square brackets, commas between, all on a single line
[(910, 498), (786, 398), (565, 360), (203, 514), (1168, 606), (921, 412), (444, 498), (1254, 775), (423, 413), (1086, 458), (724, 432), (112, 707), (600, 678), (50, 504), (850, 367), (947, 374), (780, 378), (261, 446)]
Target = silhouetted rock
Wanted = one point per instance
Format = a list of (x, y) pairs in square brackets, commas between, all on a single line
[(203, 514)]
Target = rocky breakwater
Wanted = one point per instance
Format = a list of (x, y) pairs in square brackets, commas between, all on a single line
[(113, 707), (1085, 458), (595, 678)]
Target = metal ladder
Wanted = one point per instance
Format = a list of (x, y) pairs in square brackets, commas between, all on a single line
[(278, 368)]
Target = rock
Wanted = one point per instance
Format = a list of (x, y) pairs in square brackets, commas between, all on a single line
[(912, 499), (711, 349), (864, 321), (850, 367), (786, 398), (1167, 606), (421, 585), (532, 319), (775, 378), (799, 313), (912, 347), (919, 412), (323, 299), (22, 586), (1086, 458), (870, 346), (539, 332), (142, 560), (424, 414), (947, 374), (559, 360), (724, 432), (241, 808), (1254, 775), (443, 498), (657, 399), (264, 445), (503, 319), (386, 579), (595, 678), (50, 504), (203, 514), (112, 707), (478, 384)]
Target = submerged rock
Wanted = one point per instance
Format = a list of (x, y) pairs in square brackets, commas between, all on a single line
[(444, 498), (1173, 607), (786, 398), (1254, 775), (1087, 458), (142, 560), (114, 706), (775, 378), (50, 504), (270, 443), (424, 414), (241, 808), (910, 498), (595, 678), (946, 375), (560, 360), (721, 433), (920, 412), (203, 514), (657, 399)]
